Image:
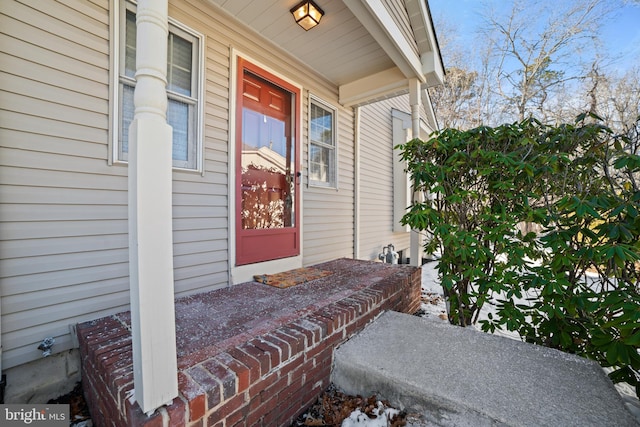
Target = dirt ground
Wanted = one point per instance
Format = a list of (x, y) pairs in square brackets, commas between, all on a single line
[(79, 416), (333, 407), (329, 410)]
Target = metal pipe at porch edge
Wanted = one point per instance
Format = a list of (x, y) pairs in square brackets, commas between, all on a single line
[(388, 255)]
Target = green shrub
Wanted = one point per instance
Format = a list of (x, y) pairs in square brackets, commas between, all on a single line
[(574, 284)]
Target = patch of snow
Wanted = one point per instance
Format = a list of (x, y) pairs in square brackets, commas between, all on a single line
[(433, 306), (383, 416), (430, 282), (131, 396)]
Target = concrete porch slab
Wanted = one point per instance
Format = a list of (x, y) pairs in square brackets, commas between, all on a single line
[(461, 377)]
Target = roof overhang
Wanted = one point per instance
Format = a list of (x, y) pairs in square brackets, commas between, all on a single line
[(414, 59), (369, 49)]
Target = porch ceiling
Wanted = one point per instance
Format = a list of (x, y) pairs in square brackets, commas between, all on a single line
[(357, 45)]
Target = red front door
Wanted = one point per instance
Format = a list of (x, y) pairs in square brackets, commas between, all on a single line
[(267, 175)]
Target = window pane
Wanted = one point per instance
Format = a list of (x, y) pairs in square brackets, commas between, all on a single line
[(319, 164), (321, 125), (130, 46), (322, 152), (179, 65), (178, 118), (181, 81), (127, 117)]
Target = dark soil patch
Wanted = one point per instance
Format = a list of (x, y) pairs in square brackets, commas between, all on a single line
[(333, 407), (77, 406), (329, 410)]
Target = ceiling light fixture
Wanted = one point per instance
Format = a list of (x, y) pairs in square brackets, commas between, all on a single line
[(307, 14)]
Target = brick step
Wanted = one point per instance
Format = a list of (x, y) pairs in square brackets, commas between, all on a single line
[(248, 355)]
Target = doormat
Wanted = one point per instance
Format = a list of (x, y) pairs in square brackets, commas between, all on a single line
[(290, 278)]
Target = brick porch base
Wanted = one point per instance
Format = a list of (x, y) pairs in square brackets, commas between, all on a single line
[(247, 355)]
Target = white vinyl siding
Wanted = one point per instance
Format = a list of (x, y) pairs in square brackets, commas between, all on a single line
[(63, 208), (328, 215), (63, 235), (64, 241), (376, 191)]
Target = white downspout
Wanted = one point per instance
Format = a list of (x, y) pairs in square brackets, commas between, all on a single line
[(416, 241), (356, 190), (0, 333), (150, 218)]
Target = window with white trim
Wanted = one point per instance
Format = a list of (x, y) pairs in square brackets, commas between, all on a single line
[(183, 90), (322, 144)]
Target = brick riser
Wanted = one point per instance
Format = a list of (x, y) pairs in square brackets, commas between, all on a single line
[(266, 380)]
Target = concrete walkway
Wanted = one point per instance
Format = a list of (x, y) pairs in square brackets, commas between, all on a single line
[(461, 377)]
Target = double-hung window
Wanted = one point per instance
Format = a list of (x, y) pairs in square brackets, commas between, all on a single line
[(322, 144), (183, 90)]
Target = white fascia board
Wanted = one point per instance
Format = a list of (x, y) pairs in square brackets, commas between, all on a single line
[(375, 17), (373, 87), (432, 68), (425, 36)]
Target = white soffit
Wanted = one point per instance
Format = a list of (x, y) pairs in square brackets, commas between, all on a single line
[(358, 46), (376, 18)]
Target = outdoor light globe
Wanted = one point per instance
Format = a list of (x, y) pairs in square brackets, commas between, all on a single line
[(307, 14)]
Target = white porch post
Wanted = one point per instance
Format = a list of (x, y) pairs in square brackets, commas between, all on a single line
[(416, 243), (150, 229)]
